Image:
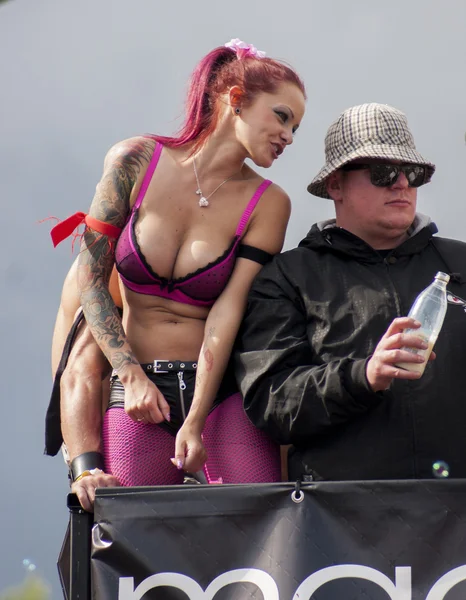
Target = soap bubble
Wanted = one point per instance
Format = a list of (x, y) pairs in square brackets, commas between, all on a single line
[(440, 469), (29, 565)]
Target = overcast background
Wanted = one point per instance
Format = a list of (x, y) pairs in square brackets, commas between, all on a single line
[(75, 77)]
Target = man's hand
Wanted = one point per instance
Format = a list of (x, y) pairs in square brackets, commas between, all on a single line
[(381, 368), (86, 486)]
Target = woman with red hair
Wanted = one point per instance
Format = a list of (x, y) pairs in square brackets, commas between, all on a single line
[(188, 225)]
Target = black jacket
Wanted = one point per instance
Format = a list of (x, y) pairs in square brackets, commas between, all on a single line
[(315, 315)]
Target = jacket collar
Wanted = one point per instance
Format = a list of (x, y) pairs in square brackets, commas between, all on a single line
[(326, 236)]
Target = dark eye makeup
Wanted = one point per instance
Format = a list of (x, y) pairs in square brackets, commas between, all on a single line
[(284, 118)]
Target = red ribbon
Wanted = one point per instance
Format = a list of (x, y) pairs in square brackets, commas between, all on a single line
[(65, 228)]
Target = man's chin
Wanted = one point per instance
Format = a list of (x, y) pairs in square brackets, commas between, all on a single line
[(400, 223)]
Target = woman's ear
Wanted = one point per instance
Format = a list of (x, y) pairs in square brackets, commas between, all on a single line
[(236, 98)]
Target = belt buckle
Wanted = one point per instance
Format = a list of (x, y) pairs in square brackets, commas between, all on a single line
[(156, 367)]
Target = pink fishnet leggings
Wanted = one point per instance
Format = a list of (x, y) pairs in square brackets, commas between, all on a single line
[(138, 454)]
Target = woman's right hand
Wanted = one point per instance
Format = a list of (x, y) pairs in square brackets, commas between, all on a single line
[(144, 402)]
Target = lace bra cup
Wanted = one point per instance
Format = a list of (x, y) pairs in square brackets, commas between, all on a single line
[(204, 285), (200, 288)]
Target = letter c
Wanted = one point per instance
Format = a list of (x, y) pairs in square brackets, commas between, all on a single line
[(445, 583), (401, 590)]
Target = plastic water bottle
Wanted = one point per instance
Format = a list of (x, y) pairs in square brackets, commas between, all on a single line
[(429, 309)]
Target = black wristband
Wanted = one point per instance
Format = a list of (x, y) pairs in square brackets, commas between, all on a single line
[(86, 462)]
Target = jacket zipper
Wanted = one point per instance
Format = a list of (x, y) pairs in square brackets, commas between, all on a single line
[(392, 285), (408, 403)]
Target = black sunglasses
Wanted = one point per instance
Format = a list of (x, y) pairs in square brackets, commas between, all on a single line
[(386, 174)]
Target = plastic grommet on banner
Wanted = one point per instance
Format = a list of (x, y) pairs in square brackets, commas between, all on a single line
[(297, 495)]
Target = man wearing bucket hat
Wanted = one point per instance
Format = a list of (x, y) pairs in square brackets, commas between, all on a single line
[(325, 324)]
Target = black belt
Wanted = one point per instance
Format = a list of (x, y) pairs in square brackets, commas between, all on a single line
[(166, 366)]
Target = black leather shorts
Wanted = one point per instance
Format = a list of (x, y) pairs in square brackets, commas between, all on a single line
[(177, 387)]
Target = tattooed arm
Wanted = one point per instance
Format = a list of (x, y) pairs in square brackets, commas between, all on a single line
[(123, 166), (67, 311), (266, 231)]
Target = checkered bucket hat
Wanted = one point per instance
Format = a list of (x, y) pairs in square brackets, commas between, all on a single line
[(367, 131)]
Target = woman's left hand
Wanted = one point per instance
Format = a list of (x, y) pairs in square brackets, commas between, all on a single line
[(190, 453)]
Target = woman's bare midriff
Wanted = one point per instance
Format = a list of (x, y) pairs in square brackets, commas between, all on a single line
[(158, 328)]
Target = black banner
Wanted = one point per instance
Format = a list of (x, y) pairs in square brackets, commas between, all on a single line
[(397, 540)]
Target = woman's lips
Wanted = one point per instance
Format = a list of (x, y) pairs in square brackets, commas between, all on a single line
[(276, 150)]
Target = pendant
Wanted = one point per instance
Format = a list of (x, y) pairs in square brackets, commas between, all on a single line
[(203, 202)]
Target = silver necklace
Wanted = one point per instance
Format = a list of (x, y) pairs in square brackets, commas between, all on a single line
[(204, 200)]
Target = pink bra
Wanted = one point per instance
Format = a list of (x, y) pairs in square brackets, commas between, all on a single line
[(200, 288)]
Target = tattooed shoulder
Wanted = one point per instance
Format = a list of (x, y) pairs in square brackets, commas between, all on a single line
[(124, 163), (132, 155)]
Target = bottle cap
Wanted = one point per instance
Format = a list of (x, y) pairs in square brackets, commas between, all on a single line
[(442, 277)]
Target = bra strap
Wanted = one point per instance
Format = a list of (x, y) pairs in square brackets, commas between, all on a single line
[(148, 176), (251, 206)]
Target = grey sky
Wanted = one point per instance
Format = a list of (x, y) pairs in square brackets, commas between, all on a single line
[(78, 76)]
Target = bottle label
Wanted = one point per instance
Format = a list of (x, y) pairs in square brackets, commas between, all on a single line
[(418, 367)]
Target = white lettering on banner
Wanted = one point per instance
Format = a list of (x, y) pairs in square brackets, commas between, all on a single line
[(193, 590), (445, 583), (400, 590)]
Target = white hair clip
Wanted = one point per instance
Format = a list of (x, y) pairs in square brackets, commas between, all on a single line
[(242, 49)]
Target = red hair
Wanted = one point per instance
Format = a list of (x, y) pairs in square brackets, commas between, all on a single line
[(215, 74)]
